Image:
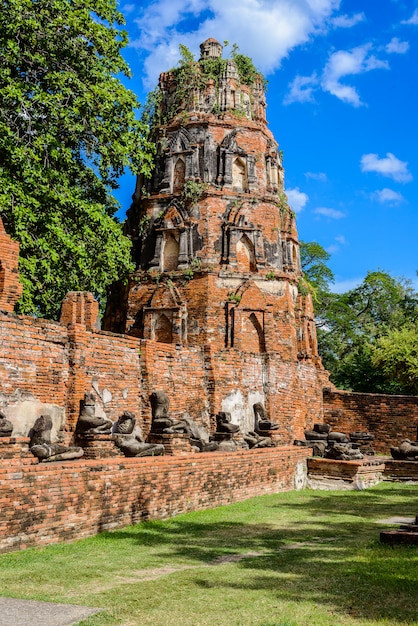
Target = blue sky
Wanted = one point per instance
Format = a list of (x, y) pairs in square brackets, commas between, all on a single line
[(342, 103)]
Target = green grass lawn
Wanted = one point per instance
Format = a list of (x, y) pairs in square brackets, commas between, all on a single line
[(309, 558)]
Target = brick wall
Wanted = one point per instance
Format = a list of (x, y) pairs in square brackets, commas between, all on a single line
[(34, 371), (391, 419), (47, 503), (10, 287)]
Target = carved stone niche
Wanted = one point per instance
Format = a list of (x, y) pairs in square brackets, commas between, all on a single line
[(237, 169), (165, 319), (291, 259), (180, 162), (245, 327), (173, 240), (242, 243)]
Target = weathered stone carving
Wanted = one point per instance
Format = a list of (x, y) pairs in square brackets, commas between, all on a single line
[(254, 440), (338, 446), (132, 445), (40, 443), (224, 425), (337, 437), (343, 452), (199, 436), (407, 451), (364, 442), (261, 419), (161, 420), (125, 424), (162, 423), (90, 424), (6, 426)]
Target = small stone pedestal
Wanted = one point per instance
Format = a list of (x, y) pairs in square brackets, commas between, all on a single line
[(331, 474), (407, 534), (175, 444), (397, 470), (98, 446), (15, 450)]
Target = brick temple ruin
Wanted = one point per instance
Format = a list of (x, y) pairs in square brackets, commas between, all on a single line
[(215, 316)]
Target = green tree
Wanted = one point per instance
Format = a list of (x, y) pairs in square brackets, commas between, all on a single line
[(314, 260), (351, 324), (68, 130), (396, 355)]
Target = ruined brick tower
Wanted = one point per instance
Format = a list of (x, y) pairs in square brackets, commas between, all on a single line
[(216, 248)]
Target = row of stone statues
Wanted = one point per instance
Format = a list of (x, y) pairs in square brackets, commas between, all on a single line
[(127, 436), (335, 445)]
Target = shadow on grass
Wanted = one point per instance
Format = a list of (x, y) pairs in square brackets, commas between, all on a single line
[(318, 548)]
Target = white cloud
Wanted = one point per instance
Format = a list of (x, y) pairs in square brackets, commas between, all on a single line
[(347, 63), (336, 247), (301, 89), (412, 20), (297, 199), (341, 286), (396, 46), (347, 21), (388, 166), (387, 196), (331, 213), (266, 30), (128, 8), (320, 176)]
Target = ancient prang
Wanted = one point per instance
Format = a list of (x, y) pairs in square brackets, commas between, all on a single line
[(217, 251), (208, 350)]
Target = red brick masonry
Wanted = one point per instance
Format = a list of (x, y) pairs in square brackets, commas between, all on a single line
[(391, 419), (48, 503)]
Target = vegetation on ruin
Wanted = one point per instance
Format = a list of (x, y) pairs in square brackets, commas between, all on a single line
[(298, 558), (367, 336), (191, 75), (193, 191), (68, 130)]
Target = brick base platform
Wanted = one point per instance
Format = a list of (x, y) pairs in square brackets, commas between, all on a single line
[(63, 501), (15, 451), (99, 446), (401, 470), (329, 474), (407, 534)]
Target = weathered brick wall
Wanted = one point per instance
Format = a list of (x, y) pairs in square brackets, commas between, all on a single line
[(181, 373), (46, 367), (10, 286), (46, 503), (391, 419), (34, 371)]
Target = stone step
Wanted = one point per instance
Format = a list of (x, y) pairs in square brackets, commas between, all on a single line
[(399, 537)]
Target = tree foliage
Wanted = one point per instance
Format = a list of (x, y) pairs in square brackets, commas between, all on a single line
[(68, 130), (396, 354), (367, 336), (314, 260)]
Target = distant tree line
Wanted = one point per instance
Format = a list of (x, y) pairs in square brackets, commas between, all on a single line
[(367, 337)]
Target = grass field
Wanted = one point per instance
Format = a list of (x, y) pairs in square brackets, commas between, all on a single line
[(309, 558)]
